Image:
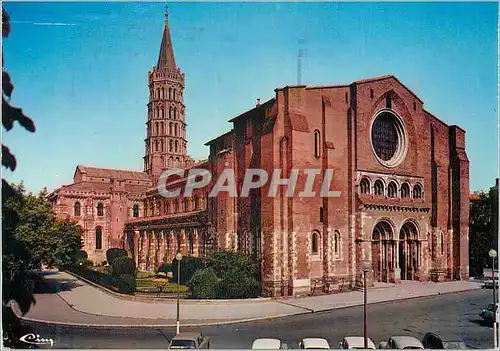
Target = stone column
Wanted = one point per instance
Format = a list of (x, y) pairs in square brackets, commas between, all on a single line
[(196, 244), (161, 257), (147, 249), (397, 270), (136, 247), (184, 250), (153, 250)]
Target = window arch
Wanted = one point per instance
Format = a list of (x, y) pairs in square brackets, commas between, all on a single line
[(170, 112), (392, 189), (176, 129), (171, 127), (175, 110), (176, 146), (378, 188), (157, 129), (405, 190), (441, 242), (336, 242), (315, 243), (77, 209), (364, 186), (171, 146), (156, 145), (135, 211), (100, 209), (417, 191), (317, 143), (98, 238)]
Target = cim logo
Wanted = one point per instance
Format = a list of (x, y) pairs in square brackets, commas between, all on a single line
[(33, 339)]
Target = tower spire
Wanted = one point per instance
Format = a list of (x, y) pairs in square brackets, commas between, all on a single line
[(166, 59)]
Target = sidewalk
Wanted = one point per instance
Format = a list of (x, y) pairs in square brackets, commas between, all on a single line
[(80, 304)]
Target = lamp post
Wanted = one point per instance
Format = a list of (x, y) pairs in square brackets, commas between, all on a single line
[(178, 257), (493, 254), (365, 322)]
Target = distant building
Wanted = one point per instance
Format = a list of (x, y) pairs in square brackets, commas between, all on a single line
[(402, 173)]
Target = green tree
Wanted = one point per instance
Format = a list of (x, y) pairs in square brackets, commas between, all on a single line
[(483, 229)]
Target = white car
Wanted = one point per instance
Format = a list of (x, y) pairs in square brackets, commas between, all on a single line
[(314, 344), (268, 344), (356, 342), (402, 343)]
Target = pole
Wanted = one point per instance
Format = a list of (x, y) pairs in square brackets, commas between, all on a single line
[(365, 333), (178, 294), (495, 325), (493, 277)]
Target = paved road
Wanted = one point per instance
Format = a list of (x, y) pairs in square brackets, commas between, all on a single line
[(453, 316)]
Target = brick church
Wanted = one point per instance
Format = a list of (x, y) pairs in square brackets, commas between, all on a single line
[(402, 174)]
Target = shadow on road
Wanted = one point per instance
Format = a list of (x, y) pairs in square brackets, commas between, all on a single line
[(43, 283), (481, 323)]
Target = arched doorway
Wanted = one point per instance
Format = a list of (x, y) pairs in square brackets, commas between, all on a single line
[(382, 251), (409, 251)]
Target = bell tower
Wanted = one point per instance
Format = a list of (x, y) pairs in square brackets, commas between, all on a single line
[(166, 142)]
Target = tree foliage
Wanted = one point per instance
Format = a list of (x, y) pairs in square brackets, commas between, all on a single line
[(114, 253), (483, 229), (124, 265), (204, 284)]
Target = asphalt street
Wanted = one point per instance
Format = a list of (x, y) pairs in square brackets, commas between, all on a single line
[(453, 316)]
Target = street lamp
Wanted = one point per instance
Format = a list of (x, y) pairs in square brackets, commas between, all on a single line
[(365, 327), (178, 257), (493, 254)]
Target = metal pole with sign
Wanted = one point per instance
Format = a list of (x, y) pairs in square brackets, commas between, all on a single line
[(493, 254), (178, 257)]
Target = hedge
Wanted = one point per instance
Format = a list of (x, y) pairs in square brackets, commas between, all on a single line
[(100, 278), (114, 253), (124, 265), (189, 265), (204, 284)]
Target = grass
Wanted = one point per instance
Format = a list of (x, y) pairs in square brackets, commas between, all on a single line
[(147, 281)]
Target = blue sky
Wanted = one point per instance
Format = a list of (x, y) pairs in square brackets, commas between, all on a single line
[(80, 71)]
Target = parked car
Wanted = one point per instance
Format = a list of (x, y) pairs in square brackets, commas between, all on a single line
[(268, 344), (314, 344), (190, 340), (489, 313), (435, 342), (356, 342), (488, 284), (401, 343)]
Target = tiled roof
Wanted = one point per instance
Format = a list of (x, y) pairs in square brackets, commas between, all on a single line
[(103, 187), (113, 173)]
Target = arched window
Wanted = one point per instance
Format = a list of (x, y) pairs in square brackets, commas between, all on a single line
[(98, 238), (317, 144), (174, 95), (169, 93), (176, 146), (156, 145), (171, 146), (175, 113), (171, 126), (162, 93), (178, 162), (392, 189), (156, 128), (405, 190), (176, 129), (315, 243), (158, 93), (170, 112), (417, 191), (336, 242), (100, 209), (161, 145), (135, 211), (176, 206), (441, 239), (364, 186), (161, 112), (378, 188), (77, 209)]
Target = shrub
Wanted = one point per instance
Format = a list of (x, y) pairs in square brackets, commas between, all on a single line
[(114, 253), (166, 267), (81, 255), (224, 261), (123, 265), (126, 284), (236, 284), (203, 284), (84, 262), (189, 265)]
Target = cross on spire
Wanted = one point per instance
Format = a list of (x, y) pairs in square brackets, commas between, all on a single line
[(166, 12)]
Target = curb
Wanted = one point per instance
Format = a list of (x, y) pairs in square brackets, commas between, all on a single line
[(226, 322), (167, 300)]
